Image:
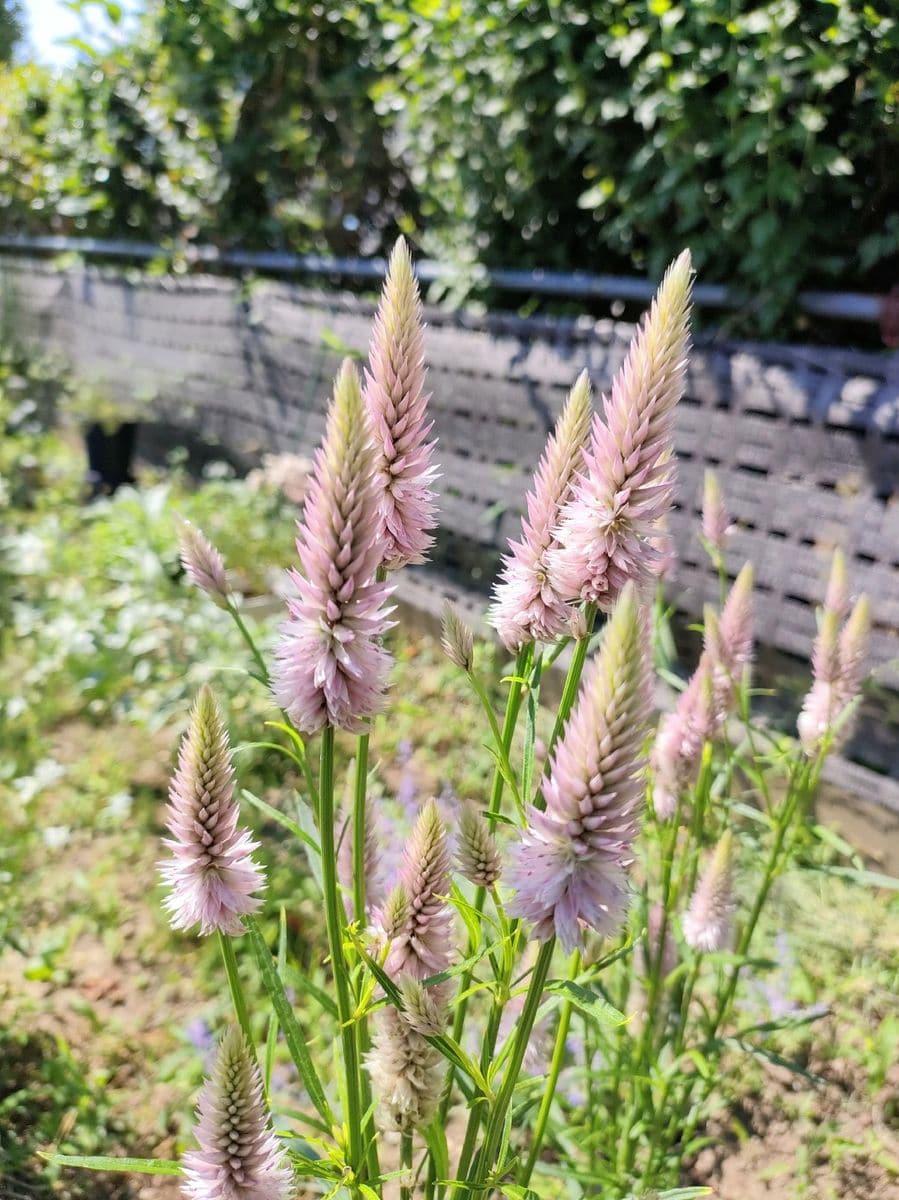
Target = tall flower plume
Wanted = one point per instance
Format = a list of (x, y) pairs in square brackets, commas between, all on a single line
[(202, 562), (423, 945), (716, 524), (625, 488), (212, 876), (526, 605), (239, 1156), (397, 406), (838, 662), (708, 920), (330, 667), (569, 868)]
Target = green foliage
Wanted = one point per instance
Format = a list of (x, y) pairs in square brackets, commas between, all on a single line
[(10, 28), (570, 134), (576, 133)]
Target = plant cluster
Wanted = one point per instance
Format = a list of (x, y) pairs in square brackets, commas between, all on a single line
[(601, 882)]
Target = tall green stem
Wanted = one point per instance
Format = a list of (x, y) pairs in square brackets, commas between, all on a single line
[(236, 988), (334, 923), (486, 1160), (555, 1069), (513, 707), (406, 1165), (572, 681)]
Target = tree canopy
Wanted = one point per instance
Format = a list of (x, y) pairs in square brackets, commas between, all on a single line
[(554, 133)]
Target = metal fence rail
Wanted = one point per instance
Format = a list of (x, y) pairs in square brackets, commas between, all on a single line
[(848, 306)]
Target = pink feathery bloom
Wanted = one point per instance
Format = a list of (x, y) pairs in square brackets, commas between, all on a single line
[(239, 1157), (212, 876), (677, 750), (838, 667), (716, 523), (626, 484), (707, 924), (527, 607), (203, 564), (397, 406), (330, 666), (730, 642), (569, 869), (423, 944)]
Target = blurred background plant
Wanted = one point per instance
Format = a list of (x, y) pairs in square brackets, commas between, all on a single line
[(564, 134)]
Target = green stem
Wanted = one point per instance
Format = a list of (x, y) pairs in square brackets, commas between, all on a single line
[(513, 707), (334, 922), (486, 1160), (572, 682), (406, 1165), (359, 827), (251, 643), (555, 1069), (236, 988)]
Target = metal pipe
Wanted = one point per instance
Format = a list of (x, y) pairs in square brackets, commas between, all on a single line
[(851, 306)]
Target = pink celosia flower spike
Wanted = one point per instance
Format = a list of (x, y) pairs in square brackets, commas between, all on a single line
[(212, 876), (407, 1072), (681, 736), (203, 564), (239, 1156), (330, 667), (707, 922), (607, 528), (569, 869), (424, 945), (716, 525), (838, 663), (526, 606), (397, 407)]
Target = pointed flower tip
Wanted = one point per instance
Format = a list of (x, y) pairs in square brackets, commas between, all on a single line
[(423, 942), (212, 878), (837, 597), (457, 639), (708, 921), (202, 562), (527, 605), (477, 853), (239, 1157), (397, 407)]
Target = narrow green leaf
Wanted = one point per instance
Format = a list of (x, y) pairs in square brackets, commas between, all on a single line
[(588, 1003), (435, 1138), (100, 1162), (274, 815), (293, 1035)]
